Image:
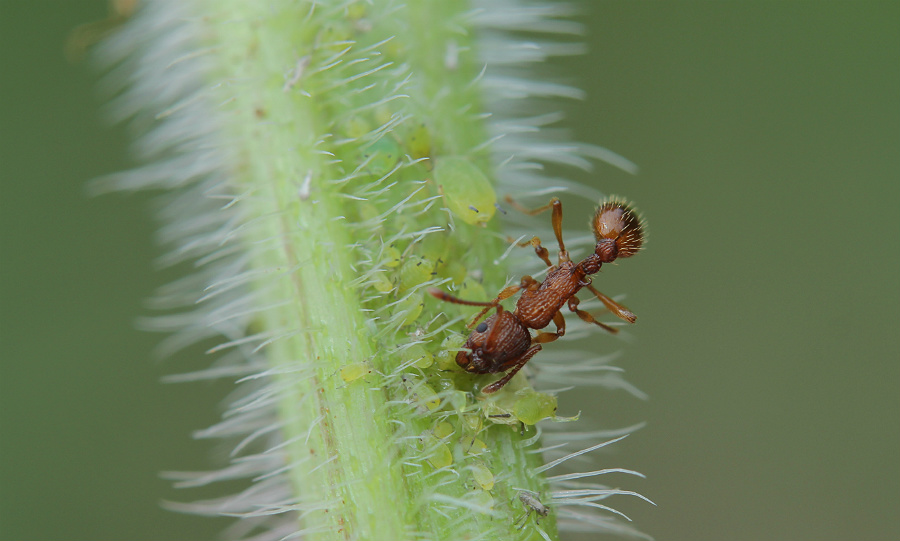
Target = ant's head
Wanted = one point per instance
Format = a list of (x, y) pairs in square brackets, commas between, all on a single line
[(619, 230), (473, 358)]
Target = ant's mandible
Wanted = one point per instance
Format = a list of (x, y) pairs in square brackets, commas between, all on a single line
[(503, 342)]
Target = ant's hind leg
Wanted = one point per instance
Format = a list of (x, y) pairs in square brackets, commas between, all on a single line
[(556, 220), (618, 309), (587, 317), (520, 362)]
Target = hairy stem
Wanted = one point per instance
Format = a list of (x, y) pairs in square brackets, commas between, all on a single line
[(333, 161)]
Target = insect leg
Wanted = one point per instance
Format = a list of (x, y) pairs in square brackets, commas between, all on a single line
[(619, 310), (556, 205), (587, 317), (529, 353), (538, 248), (444, 296), (544, 337)]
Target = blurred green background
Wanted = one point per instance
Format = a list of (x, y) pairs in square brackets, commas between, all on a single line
[(768, 134)]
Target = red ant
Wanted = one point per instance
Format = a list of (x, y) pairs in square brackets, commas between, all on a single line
[(503, 341)]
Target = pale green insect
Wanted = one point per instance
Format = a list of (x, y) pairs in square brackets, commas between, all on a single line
[(421, 395), (439, 455), (355, 127), (380, 157), (482, 475), (524, 406), (354, 371), (443, 430), (414, 271), (417, 356), (467, 191), (381, 282), (472, 445), (446, 355), (534, 407), (418, 142), (410, 307)]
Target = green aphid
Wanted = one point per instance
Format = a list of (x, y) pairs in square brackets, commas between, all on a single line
[(418, 356), (443, 430), (391, 257), (414, 271), (381, 282), (420, 394), (438, 453), (355, 127), (380, 157), (454, 270), (367, 211), (383, 114), (426, 398), (418, 142), (446, 355), (472, 445), (457, 400), (472, 290), (410, 307), (435, 248), (354, 371), (533, 406), (498, 410), (472, 422), (482, 475), (466, 189)]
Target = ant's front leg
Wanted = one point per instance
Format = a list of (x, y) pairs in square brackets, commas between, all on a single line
[(556, 220), (446, 297), (519, 363), (505, 294), (587, 317)]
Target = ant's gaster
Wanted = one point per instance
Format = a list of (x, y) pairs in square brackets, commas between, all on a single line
[(503, 341)]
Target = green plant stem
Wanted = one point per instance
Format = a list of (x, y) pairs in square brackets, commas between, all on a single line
[(360, 453)]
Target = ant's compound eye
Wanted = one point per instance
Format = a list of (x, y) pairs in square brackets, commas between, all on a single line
[(481, 327), (616, 220)]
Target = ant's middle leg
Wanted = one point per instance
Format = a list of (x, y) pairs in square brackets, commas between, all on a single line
[(556, 220)]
